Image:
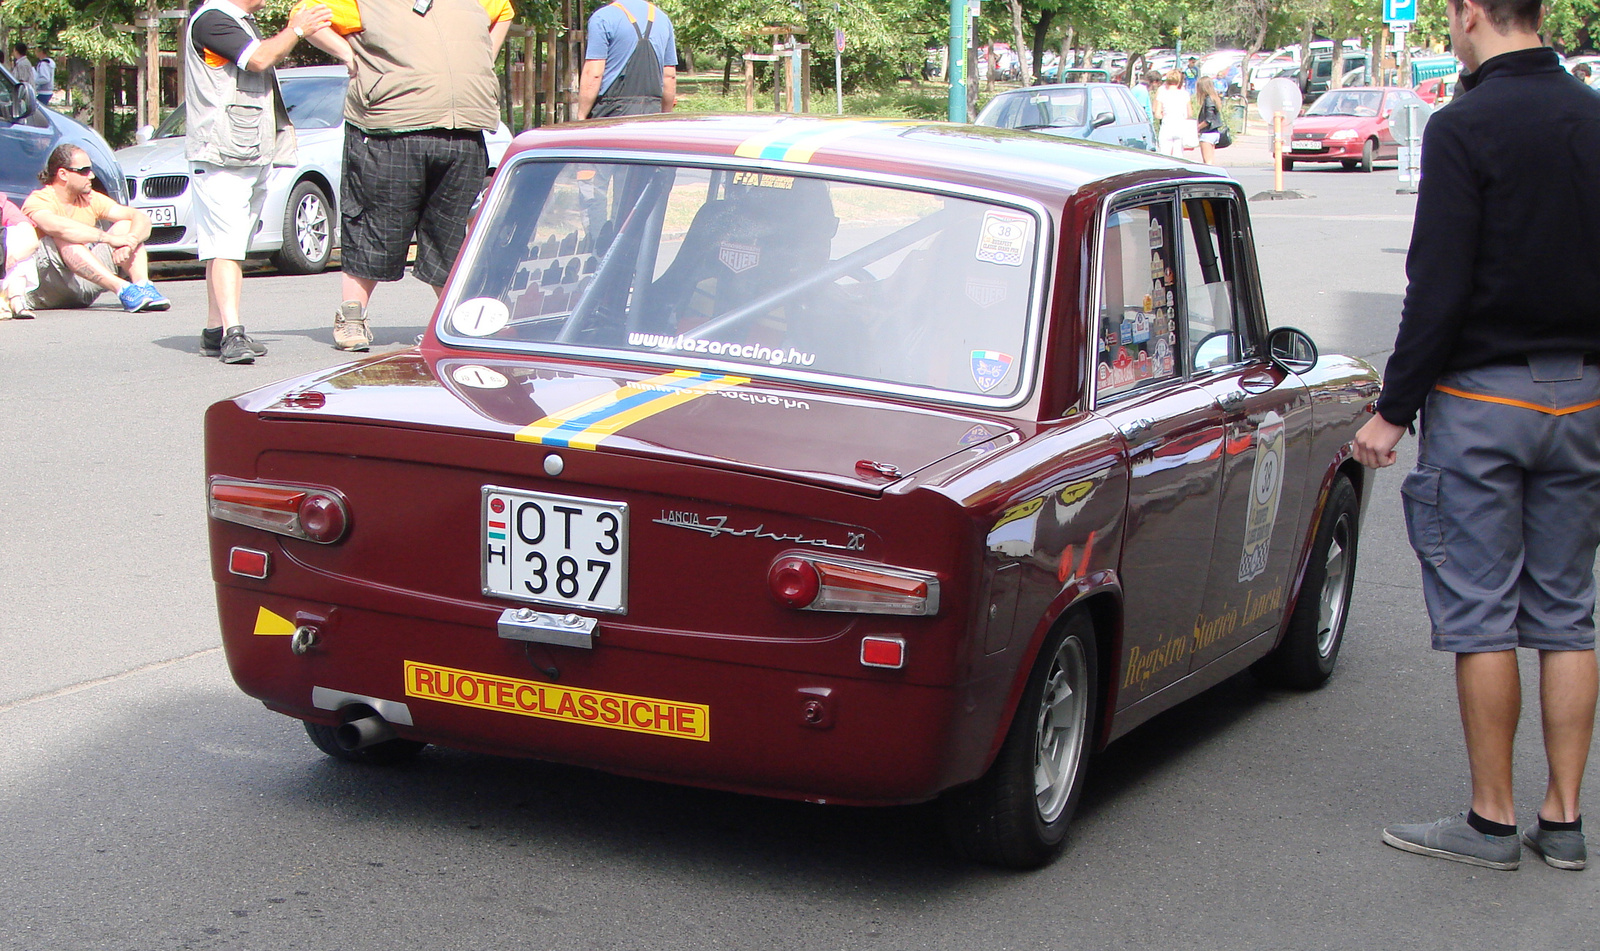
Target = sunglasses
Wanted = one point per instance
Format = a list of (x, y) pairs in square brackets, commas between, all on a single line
[(85, 170)]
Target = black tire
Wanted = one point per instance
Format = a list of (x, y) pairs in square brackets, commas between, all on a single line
[(1369, 151), (1305, 657), (999, 819), (1288, 164), (388, 753), (307, 231)]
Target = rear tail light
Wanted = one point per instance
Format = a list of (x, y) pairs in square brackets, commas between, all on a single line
[(316, 515), (809, 582)]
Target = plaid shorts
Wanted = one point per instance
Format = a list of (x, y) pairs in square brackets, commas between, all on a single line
[(395, 187)]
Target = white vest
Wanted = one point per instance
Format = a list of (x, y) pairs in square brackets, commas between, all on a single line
[(236, 117)]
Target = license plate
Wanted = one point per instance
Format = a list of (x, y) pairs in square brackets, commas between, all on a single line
[(162, 214), (555, 549), (1308, 146)]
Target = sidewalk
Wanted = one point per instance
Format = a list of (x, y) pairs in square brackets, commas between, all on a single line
[(1247, 151)]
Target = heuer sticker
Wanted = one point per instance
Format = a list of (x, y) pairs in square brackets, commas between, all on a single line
[(985, 294), (480, 377), (1266, 485), (989, 367), (738, 258), (479, 317), (1004, 238)]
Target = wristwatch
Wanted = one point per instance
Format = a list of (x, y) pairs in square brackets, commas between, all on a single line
[(299, 32)]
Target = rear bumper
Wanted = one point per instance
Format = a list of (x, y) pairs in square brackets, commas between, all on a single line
[(696, 720)]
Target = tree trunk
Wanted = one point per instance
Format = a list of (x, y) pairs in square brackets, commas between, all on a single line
[(1336, 78), (1020, 49), (1305, 53), (1046, 17), (727, 74), (1244, 75), (1066, 47)]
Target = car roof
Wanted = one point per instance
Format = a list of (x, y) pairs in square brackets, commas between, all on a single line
[(1047, 168), (1046, 87)]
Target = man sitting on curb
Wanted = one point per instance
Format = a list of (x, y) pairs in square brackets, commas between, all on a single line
[(86, 239)]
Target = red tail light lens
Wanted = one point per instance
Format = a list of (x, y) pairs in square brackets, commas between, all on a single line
[(316, 515), (817, 583)]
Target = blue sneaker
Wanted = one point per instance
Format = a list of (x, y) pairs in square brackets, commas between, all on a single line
[(157, 301), (134, 299)]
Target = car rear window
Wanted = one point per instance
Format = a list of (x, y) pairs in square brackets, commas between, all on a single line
[(753, 272)]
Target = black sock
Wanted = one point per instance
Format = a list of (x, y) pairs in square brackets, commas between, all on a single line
[(1575, 825), (1489, 828)]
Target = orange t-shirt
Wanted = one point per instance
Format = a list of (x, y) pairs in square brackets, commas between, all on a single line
[(89, 212), (347, 13)]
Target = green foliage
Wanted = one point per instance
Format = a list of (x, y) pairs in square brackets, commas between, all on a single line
[(901, 101)]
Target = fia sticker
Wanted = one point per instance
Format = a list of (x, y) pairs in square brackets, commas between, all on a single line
[(989, 367), (1266, 485), (1003, 239), (985, 294), (479, 317), (480, 377), (738, 258)]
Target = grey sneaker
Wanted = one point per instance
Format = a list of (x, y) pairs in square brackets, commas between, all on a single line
[(236, 347), (1559, 849), (1452, 838), (350, 331), (211, 343)]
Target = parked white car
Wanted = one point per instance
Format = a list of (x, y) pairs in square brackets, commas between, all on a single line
[(299, 225)]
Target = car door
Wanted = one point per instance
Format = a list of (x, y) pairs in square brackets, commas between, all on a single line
[(1172, 439), (1266, 415), (1103, 126), (1387, 146), (1133, 128), (25, 143)]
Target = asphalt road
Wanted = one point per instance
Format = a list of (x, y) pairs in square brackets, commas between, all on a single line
[(145, 803)]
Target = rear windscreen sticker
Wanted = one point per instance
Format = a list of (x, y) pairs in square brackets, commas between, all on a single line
[(481, 377), (1004, 238), (989, 367), (479, 317)]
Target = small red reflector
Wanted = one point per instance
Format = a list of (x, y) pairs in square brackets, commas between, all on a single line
[(883, 651), (248, 562)]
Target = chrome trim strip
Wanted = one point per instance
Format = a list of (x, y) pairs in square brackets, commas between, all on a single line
[(326, 698), (1040, 290)]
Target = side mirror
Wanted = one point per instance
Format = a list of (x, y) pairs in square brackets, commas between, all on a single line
[(1292, 349), (26, 102), (1103, 118), (145, 134)]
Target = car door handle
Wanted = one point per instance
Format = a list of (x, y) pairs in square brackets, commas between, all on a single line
[(1232, 402), (1137, 429)]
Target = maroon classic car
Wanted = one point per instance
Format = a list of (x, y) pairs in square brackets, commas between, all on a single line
[(860, 462)]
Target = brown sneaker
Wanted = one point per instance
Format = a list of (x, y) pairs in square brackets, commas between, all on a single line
[(350, 331)]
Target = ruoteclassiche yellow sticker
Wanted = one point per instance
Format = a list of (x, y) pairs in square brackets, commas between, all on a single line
[(612, 711)]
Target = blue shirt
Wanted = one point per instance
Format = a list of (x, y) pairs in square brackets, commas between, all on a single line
[(612, 39)]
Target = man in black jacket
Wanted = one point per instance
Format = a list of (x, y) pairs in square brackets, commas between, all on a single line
[(1498, 348)]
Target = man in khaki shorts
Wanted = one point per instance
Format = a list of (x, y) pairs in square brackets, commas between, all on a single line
[(88, 243)]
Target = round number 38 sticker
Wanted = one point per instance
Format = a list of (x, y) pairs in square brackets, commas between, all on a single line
[(479, 317)]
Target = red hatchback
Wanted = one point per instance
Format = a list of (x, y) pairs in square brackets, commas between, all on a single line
[(852, 461), (1349, 126)]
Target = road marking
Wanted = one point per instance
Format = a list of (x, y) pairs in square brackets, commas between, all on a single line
[(99, 681)]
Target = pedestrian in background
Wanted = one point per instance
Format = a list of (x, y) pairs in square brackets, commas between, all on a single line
[(1141, 93), (423, 90), (44, 76), (237, 131), (22, 67), (628, 70), (1498, 348), (1208, 118), (1172, 110), (18, 242), (88, 243)]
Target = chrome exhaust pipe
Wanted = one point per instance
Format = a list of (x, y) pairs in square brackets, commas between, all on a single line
[(362, 733)]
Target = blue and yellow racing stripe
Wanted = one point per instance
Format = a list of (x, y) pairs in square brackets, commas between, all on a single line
[(799, 141), (585, 425)]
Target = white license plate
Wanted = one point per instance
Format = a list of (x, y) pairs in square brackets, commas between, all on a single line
[(162, 214), (555, 549), (1308, 146)]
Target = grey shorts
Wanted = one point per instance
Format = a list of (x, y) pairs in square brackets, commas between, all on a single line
[(397, 186), (1503, 508), (60, 288)]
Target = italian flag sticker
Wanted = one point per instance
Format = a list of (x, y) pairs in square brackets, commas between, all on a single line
[(989, 367)]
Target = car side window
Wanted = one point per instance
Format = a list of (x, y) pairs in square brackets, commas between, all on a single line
[(1209, 301), (1100, 104), (1137, 343), (1006, 117)]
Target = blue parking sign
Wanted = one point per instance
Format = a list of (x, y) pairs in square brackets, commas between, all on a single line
[(1400, 11)]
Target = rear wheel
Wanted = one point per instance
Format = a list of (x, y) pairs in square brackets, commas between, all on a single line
[(1017, 814), (1305, 658), (387, 753), (307, 231)]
